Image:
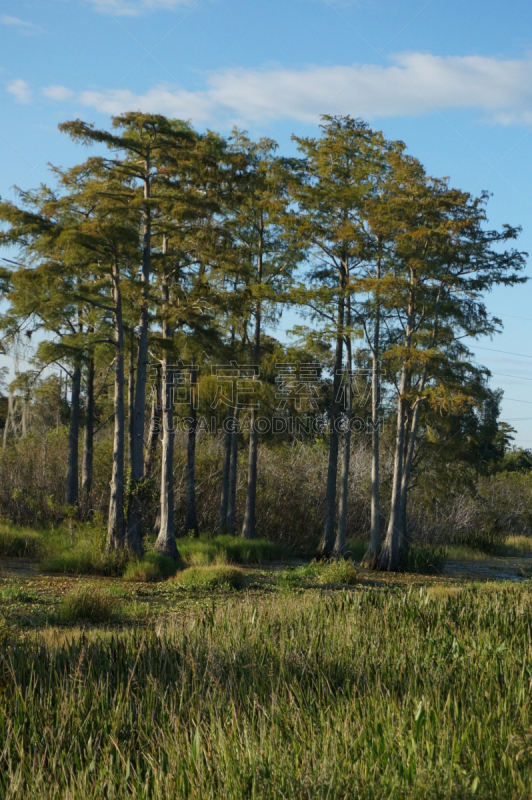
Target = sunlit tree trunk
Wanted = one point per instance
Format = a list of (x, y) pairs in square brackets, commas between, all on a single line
[(249, 529), (116, 523), (329, 537), (191, 519), (340, 543), (166, 539), (87, 460), (155, 429), (233, 476), (371, 556), (72, 478), (134, 526), (224, 495)]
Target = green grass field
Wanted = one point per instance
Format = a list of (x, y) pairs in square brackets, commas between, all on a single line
[(312, 680)]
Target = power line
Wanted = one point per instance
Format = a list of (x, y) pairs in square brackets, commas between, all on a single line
[(505, 374), (506, 352)]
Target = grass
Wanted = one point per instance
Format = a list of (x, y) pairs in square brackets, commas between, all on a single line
[(425, 560), (88, 605), (228, 549), (421, 559), (211, 577), (356, 548), (319, 573), (17, 542), (152, 567), (366, 694)]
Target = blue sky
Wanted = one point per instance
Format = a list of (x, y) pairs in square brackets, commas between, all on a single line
[(453, 80)]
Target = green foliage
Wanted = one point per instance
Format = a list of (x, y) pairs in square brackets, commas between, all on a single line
[(87, 604), (516, 460), (150, 568), (211, 577)]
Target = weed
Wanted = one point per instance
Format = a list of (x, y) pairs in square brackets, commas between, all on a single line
[(13, 593)]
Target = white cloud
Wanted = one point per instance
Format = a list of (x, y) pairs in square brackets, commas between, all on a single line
[(57, 93), (21, 24), (159, 100), (20, 90), (134, 8), (414, 84)]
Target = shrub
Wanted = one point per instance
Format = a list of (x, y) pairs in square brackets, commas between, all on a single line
[(152, 567), (211, 577), (87, 605)]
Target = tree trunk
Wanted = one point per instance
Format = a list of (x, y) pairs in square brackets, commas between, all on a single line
[(224, 495), (166, 540), (390, 556), (249, 529), (332, 468), (115, 525), (24, 417), (340, 544), (134, 526), (371, 556), (155, 429), (191, 521), (131, 396), (88, 437), (72, 478), (233, 476), (407, 469), (9, 418)]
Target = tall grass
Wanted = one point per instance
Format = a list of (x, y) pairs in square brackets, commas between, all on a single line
[(87, 604), (80, 552), (423, 559), (152, 567), (229, 549), (211, 577), (366, 695), (18, 542)]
